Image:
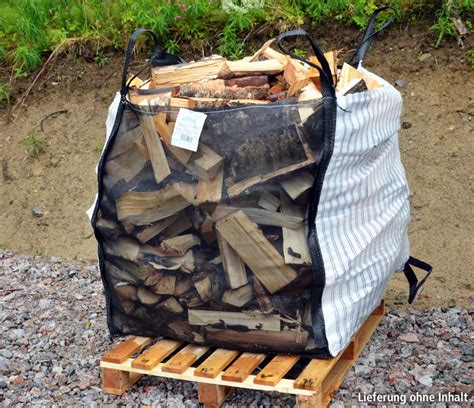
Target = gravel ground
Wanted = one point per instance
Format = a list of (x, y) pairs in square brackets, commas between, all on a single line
[(53, 333)]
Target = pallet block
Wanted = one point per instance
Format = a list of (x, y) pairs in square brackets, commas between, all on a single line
[(223, 370)]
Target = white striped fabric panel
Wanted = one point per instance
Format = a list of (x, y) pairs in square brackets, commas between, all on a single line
[(363, 211)]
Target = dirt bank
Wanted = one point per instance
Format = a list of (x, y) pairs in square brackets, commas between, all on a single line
[(67, 111)]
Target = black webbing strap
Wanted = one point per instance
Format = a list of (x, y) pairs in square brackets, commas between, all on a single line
[(370, 33), (327, 83), (415, 285), (158, 57)]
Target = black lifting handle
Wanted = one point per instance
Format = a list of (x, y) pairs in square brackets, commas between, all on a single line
[(327, 83), (158, 57), (369, 34)]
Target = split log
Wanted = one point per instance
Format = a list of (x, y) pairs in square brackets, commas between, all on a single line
[(238, 297), (126, 291), (123, 248), (119, 274), (371, 82), (165, 285), (182, 286), (347, 74), (205, 163), (152, 231), (125, 166), (207, 103), (297, 184), (179, 245), (331, 58), (208, 282), (153, 278), (210, 191), (108, 228), (163, 261), (229, 319), (247, 68), (263, 299), (181, 225), (165, 131), (256, 251), (142, 208), (352, 87), (180, 329), (238, 188), (126, 141), (155, 149), (147, 297), (284, 340), (260, 216), (188, 265), (141, 146), (308, 93), (295, 242), (171, 305), (269, 202), (212, 69), (190, 72), (204, 288), (191, 299), (296, 75), (307, 317), (254, 87), (234, 268)]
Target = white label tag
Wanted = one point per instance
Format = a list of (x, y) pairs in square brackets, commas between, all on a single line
[(187, 129)]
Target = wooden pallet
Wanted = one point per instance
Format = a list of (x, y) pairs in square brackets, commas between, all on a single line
[(219, 371)]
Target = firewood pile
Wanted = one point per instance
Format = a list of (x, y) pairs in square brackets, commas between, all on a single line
[(209, 245)]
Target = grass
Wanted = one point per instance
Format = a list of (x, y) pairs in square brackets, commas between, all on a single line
[(34, 145), (29, 29), (4, 95)]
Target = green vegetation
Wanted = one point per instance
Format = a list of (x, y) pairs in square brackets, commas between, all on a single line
[(4, 95), (34, 145), (31, 28), (470, 58), (99, 145)]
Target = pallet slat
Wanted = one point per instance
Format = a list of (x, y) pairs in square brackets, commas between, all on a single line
[(314, 373), (243, 367), (184, 359), (215, 363), (314, 386), (156, 353), (274, 371), (126, 349)]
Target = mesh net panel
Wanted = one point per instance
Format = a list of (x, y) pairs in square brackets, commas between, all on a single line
[(211, 247)]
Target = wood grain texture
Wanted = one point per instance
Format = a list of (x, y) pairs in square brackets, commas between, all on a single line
[(243, 367), (126, 349), (184, 359), (256, 251), (210, 317), (295, 242), (234, 267), (274, 371), (155, 354), (215, 363)]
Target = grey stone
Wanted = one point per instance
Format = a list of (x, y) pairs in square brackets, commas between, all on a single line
[(426, 380), (16, 334), (37, 212), (400, 83), (424, 56)]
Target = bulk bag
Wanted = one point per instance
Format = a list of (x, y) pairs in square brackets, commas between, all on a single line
[(279, 233)]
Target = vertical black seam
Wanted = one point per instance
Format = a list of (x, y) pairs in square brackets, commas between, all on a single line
[(319, 330), (100, 176)]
